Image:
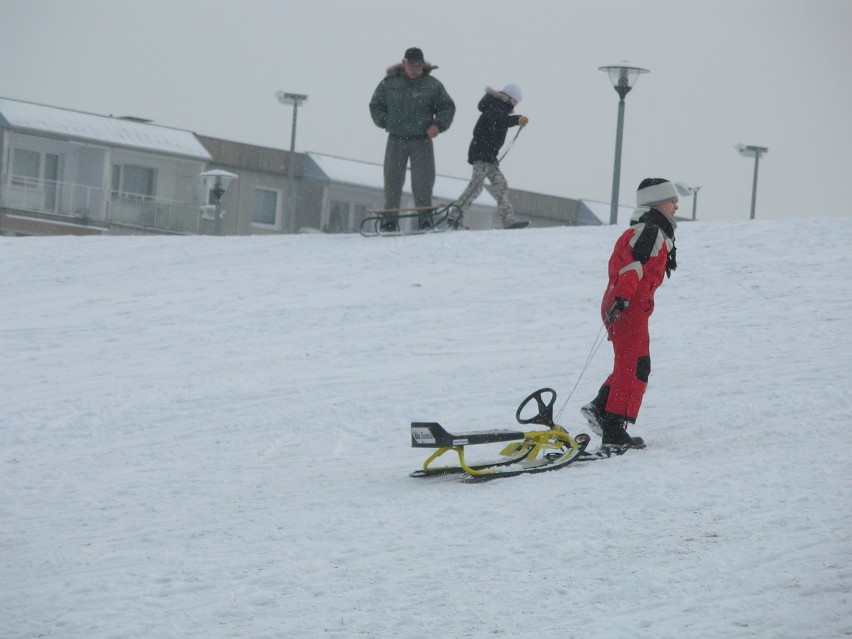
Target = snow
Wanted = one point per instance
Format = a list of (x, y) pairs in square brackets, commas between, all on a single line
[(209, 437), (41, 119)]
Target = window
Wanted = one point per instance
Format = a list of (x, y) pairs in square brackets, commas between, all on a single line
[(359, 212), (51, 181), (133, 181), (265, 207), (26, 168), (344, 217), (138, 180), (338, 217)]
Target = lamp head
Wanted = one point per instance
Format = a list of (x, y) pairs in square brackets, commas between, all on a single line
[(750, 151), (290, 98), (218, 178), (623, 75)]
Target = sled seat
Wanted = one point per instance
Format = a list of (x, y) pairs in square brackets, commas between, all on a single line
[(433, 435), (421, 209)]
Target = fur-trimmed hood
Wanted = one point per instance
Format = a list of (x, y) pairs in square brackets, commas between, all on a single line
[(497, 94), (396, 69)]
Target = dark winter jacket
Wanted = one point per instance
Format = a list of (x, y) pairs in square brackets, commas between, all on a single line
[(489, 134), (643, 256), (406, 108)]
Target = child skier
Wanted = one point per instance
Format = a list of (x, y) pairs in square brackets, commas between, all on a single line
[(488, 136), (643, 256)]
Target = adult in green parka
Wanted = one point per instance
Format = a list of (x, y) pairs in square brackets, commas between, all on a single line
[(413, 107)]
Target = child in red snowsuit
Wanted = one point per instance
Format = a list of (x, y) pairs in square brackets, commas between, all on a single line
[(642, 257)]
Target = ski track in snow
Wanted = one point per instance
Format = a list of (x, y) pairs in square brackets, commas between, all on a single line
[(208, 437)]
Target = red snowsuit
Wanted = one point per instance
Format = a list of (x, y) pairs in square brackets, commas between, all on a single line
[(643, 255)]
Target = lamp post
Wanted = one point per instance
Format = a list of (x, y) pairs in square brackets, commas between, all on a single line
[(623, 76), (756, 152), (295, 99), (686, 190), (217, 182)]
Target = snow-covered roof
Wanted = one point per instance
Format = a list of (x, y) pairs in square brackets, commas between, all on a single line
[(40, 119), (601, 211), (371, 175)]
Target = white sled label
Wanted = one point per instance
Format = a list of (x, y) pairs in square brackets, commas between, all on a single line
[(422, 435)]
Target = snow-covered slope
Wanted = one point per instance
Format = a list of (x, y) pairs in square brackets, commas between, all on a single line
[(208, 437)]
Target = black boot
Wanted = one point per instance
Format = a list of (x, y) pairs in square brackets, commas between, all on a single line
[(389, 225), (615, 440)]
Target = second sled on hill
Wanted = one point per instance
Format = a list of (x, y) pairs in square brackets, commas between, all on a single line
[(413, 221)]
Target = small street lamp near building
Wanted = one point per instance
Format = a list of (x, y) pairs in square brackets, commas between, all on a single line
[(686, 190), (217, 182), (623, 76), (295, 99), (757, 152)]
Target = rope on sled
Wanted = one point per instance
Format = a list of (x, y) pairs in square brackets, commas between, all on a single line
[(595, 346)]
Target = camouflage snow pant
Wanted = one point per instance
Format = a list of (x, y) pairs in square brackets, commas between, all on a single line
[(481, 171)]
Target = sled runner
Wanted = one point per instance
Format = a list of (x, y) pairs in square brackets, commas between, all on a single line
[(530, 451), (424, 219)]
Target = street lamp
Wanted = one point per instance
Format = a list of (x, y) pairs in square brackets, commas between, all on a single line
[(623, 76), (756, 152), (295, 99), (217, 182), (686, 190)]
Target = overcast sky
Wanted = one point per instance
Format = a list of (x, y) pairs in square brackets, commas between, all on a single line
[(771, 73)]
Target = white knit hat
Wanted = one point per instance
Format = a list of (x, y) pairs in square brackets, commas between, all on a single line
[(514, 92), (655, 191)]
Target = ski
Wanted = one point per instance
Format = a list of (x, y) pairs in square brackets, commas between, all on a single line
[(603, 453)]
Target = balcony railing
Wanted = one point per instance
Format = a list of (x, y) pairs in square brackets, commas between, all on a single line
[(154, 214), (88, 204), (56, 198)]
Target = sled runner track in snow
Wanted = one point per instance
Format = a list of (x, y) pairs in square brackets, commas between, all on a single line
[(414, 221)]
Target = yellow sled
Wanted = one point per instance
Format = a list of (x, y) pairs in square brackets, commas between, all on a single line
[(530, 451)]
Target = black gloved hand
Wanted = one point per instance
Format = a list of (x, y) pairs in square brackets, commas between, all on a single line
[(671, 261), (615, 311)]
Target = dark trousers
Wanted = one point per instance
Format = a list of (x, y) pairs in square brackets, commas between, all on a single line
[(422, 155)]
